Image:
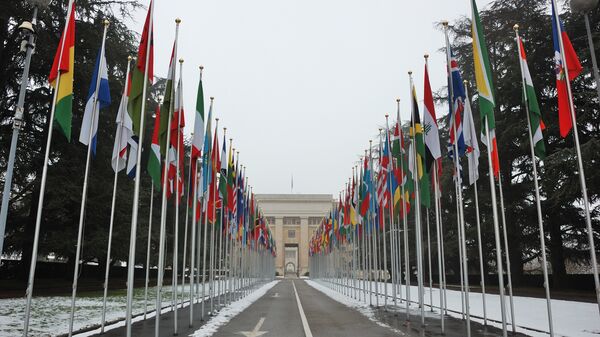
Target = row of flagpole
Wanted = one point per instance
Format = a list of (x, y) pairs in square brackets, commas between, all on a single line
[(240, 244), (345, 249)]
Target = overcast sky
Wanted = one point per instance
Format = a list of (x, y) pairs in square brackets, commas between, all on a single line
[(302, 86)]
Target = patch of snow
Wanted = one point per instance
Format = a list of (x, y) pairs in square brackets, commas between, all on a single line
[(229, 312)]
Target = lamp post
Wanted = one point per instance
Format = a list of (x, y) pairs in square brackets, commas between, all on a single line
[(584, 7), (28, 46)]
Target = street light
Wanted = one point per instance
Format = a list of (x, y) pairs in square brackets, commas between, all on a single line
[(28, 46), (584, 7)]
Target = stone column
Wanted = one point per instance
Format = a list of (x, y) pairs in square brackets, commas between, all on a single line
[(279, 261), (303, 246)]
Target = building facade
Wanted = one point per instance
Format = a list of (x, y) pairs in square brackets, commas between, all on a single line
[(293, 218)]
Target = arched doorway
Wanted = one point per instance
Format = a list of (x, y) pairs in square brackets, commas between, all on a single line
[(290, 268)]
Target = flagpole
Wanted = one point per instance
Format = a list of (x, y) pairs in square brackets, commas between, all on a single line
[(418, 230), (40, 206), (404, 218), (586, 204), (188, 192), (537, 192), (439, 232), (112, 209), (458, 181), (212, 233), (163, 208), (136, 195), (95, 108), (194, 193), (391, 211), (148, 244)]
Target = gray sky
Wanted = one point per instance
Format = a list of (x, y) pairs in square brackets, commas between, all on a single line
[(303, 85)]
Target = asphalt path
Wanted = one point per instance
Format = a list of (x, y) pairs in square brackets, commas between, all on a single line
[(294, 309)]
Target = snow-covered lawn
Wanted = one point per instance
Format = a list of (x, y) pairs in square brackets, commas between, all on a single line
[(50, 314), (571, 318), (232, 310)]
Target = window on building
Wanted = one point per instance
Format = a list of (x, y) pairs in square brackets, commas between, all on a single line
[(292, 234), (314, 220), (291, 220), (271, 220), (290, 254)]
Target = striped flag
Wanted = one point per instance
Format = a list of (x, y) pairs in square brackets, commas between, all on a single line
[(470, 137), (166, 104), (98, 98), (124, 129), (433, 152), (61, 74), (535, 116), (198, 138), (485, 88), (154, 162), (457, 102), (417, 158)]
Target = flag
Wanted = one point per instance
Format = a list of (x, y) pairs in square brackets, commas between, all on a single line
[(418, 157), (485, 88), (383, 193), (145, 51), (206, 164), (223, 175), (535, 115), (136, 87), (61, 74), (456, 105), (365, 196), (470, 137), (198, 138), (432, 134), (573, 66), (177, 149), (97, 99), (124, 130), (400, 179), (154, 162), (167, 102)]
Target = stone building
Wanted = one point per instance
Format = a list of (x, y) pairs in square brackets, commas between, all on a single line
[(293, 219)]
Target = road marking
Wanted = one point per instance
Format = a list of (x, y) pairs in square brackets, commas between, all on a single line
[(275, 295), (256, 332), (307, 331)]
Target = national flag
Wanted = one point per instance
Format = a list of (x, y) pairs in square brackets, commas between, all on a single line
[(61, 74), (418, 157), (223, 175), (154, 159), (470, 136), (198, 137), (383, 193), (535, 115), (145, 51), (433, 152), (98, 98), (124, 129), (400, 179), (456, 104), (365, 195), (573, 66), (206, 157), (485, 88), (213, 193), (176, 150), (168, 101)]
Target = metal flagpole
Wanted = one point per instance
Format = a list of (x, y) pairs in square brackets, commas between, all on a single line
[(436, 191), (193, 240), (185, 238), (163, 208), (40, 206), (29, 44), (429, 261), (508, 272), (136, 193), (391, 213), (177, 201), (418, 232), (95, 108), (592, 50), (383, 233), (458, 181), (112, 208), (537, 193), (404, 221), (582, 182), (212, 234), (148, 251)]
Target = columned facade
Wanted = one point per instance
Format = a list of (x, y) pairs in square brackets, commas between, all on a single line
[(294, 218)]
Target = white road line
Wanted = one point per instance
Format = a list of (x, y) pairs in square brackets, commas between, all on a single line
[(307, 331)]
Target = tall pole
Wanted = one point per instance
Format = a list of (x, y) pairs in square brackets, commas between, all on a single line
[(193, 238), (436, 192), (163, 207), (586, 204), (136, 193), (404, 218), (40, 206), (418, 232), (95, 108), (538, 203), (148, 246), (112, 209), (592, 52), (17, 124)]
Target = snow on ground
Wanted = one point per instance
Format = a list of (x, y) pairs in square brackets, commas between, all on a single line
[(229, 312), (50, 314), (360, 306), (571, 318)]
